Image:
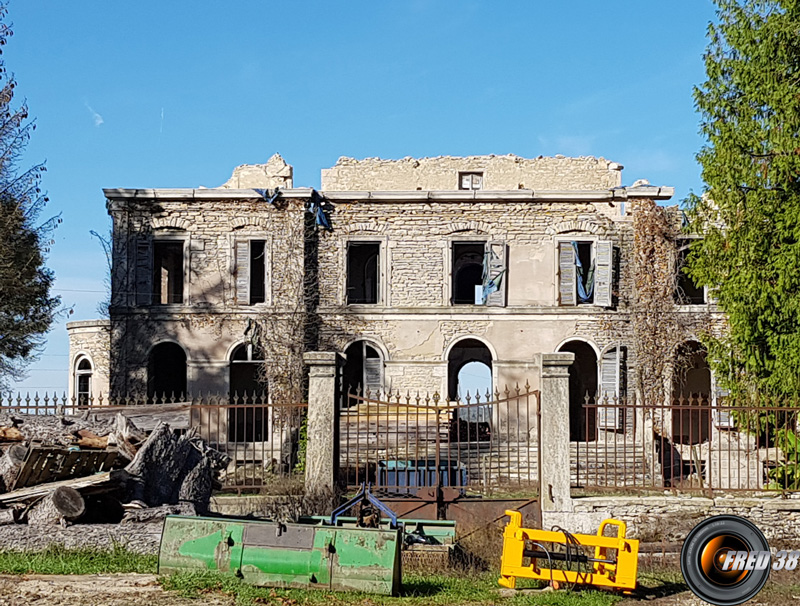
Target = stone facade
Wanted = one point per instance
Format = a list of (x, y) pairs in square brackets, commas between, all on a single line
[(90, 341), (416, 221), (501, 173)]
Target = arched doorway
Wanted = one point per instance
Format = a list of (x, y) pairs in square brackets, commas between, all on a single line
[(246, 366), (247, 420), (582, 383), (691, 395), (166, 372), (467, 352), (363, 369)]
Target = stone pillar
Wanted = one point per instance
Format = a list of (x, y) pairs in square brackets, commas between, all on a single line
[(554, 492), (322, 450)]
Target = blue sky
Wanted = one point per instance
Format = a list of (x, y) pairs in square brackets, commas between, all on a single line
[(176, 94)]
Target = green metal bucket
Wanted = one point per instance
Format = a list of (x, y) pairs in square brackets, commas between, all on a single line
[(284, 555)]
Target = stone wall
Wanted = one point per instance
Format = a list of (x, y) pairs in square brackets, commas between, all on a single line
[(499, 173), (670, 518), (90, 339), (275, 173), (210, 321)]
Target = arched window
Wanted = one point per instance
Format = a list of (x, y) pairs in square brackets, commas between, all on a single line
[(247, 418), (691, 395), (363, 369), (83, 381), (247, 362), (166, 372)]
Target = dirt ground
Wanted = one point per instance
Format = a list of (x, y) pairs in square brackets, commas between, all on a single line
[(144, 590), (94, 590)]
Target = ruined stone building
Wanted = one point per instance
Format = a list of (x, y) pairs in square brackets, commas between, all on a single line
[(412, 268)]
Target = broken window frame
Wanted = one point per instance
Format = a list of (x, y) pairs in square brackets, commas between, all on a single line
[(681, 299), (494, 271), (381, 286), (243, 288), (82, 389), (604, 264), (470, 180), (144, 266)]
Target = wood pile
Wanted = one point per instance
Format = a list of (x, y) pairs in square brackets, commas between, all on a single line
[(67, 469)]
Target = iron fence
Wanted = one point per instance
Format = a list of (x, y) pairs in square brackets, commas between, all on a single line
[(409, 445), (690, 445), (261, 437)]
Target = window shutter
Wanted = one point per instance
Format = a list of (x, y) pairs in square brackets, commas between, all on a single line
[(373, 375), (566, 274), (608, 415), (603, 273), (498, 272), (242, 272), (144, 271)]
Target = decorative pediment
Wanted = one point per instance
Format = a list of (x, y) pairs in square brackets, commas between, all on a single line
[(364, 226), (564, 227), (170, 223), (465, 226), (258, 222)]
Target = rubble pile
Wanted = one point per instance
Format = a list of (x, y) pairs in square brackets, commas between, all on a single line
[(62, 470)]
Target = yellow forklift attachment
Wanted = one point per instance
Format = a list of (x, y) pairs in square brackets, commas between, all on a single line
[(613, 564)]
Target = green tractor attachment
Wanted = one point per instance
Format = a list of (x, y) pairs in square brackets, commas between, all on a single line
[(324, 555)]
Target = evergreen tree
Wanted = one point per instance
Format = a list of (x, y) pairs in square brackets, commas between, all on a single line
[(26, 307), (749, 214)]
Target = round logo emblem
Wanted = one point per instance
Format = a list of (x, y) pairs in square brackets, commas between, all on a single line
[(725, 560)]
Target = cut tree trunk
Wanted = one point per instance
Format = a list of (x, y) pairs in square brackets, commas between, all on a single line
[(63, 505), (170, 468), (10, 464)]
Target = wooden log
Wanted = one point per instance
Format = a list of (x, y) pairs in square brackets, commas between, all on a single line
[(9, 516), (66, 430), (11, 434), (88, 439), (10, 464), (101, 482), (61, 506), (168, 468)]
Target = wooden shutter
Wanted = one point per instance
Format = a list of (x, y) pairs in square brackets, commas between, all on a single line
[(498, 272), (608, 415), (603, 273), (144, 271), (373, 375), (242, 272), (566, 274)]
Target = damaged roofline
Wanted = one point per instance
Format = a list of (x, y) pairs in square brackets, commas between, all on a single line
[(600, 195), (572, 195), (198, 194)]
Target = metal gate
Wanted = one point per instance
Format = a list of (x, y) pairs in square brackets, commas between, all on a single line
[(407, 445)]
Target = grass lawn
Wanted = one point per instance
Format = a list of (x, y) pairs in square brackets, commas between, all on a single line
[(418, 590)]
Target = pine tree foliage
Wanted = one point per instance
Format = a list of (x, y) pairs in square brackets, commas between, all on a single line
[(750, 211), (26, 307)]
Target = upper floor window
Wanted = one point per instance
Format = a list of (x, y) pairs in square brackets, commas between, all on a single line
[(363, 272), (160, 269), (478, 273), (83, 381), (251, 272), (468, 273), (687, 291), (167, 272), (472, 180), (585, 272)]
